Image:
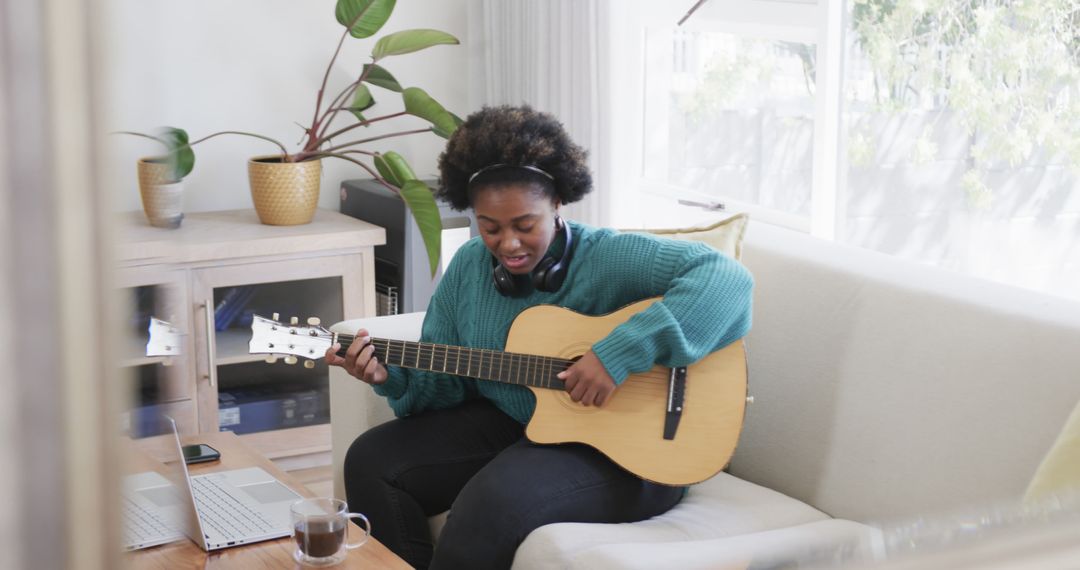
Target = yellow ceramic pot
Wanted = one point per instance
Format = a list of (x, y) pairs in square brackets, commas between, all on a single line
[(162, 198), (285, 193)]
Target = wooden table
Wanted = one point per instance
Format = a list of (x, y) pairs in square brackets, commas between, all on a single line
[(267, 554)]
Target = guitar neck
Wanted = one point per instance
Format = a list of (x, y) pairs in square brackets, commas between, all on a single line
[(494, 365)]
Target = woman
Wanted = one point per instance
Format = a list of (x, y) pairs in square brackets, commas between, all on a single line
[(458, 441)]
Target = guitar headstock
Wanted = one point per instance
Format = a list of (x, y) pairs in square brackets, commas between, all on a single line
[(269, 336), (165, 339)]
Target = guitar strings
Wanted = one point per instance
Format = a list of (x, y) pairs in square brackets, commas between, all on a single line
[(344, 340), (491, 361), (510, 367)]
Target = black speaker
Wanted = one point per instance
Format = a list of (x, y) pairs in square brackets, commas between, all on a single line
[(402, 272)]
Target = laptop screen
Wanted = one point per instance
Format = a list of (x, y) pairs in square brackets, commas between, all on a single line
[(177, 474), (158, 503), (236, 506)]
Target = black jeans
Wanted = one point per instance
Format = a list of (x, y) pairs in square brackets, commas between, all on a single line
[(501, 486)]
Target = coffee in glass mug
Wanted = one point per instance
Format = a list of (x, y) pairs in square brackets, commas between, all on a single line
[(320, 531)]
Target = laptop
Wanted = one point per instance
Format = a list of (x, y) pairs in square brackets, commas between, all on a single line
[(215, 510)]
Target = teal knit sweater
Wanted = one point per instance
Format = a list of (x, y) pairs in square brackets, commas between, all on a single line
[(706, 306)]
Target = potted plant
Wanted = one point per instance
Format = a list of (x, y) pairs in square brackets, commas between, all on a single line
[(161, 177), (285, 185)]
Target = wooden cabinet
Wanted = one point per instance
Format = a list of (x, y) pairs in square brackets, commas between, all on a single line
[(226, 263)]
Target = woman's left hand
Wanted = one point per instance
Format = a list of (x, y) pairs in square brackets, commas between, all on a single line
[(588, 381)]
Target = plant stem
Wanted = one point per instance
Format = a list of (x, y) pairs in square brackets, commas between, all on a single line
[(370, 170), (145, 136), (325, 138), (328, 117), (373, 139), (326, 75), (305, 155), (303, 128), (335, 103), (284, 152), (346, 93)]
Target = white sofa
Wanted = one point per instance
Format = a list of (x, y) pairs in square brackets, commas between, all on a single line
[(884, 390)]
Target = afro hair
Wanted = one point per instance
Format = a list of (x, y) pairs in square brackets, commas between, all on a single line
[(514, 136)]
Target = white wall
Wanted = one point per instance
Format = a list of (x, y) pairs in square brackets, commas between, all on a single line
[(256, 65)]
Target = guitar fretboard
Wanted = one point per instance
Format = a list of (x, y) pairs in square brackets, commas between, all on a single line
[(507, 367)]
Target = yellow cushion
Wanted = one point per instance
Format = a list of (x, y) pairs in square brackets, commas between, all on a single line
[(1059, 471), (725, 235)]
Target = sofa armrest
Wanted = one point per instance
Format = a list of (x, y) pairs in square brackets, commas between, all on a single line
[(354, 407)]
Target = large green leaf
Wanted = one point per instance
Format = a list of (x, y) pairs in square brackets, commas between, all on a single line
[(381, 77), (408, 41), (181, 158), (366, 16), (362, 100), (446, 134), (394, 168), (385, 171), (425, 211), (420, 104)]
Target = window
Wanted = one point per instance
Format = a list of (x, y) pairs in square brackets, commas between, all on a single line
[(728, 109), (942, 132), (732, 118), (960, 146)]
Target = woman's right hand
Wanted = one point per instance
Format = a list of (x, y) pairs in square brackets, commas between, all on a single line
[(359, 360)]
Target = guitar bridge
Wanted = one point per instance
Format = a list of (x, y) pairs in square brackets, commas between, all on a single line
[(676, 396)]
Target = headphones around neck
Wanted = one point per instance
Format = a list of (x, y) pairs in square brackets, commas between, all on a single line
[(548, 275)]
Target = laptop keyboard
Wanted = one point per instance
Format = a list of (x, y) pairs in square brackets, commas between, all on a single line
[(223, 512), (142, 526)]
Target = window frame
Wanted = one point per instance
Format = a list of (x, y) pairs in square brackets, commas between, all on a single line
[(643, 202), (802, 21)]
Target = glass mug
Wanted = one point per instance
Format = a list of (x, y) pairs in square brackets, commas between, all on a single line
[(320, 531)]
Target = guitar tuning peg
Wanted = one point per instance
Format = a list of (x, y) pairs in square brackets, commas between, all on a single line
[(271, 359), (294, 320), (314, 321), (290, 359), (309, 364), (275, 317)]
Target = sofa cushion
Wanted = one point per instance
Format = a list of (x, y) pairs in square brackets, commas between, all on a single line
[(721, 507), (725, 235), (823, 542), (1059, 472)]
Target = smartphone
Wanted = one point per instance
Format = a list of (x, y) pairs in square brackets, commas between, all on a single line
[(200, 453)]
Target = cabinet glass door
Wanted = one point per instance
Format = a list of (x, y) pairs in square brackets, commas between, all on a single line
[(255, 395), (243, 393), (155, 356)]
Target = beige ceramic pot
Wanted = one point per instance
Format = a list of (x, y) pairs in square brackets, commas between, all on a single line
[(285, 193), (162, 199)]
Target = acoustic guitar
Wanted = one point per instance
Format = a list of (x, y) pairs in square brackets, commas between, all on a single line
[(675, 426)]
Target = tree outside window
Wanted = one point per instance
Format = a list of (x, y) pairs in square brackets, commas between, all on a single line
[(961, 147), (958, 122)]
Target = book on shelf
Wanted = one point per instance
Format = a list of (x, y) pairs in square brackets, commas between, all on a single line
[(231, 305)]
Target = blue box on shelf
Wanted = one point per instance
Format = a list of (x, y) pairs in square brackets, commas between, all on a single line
[(248, 411), (268, 408)]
